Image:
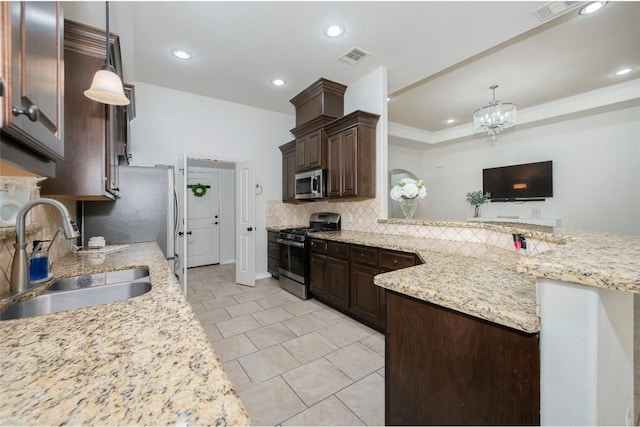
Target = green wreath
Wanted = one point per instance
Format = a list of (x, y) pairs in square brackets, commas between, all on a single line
[(199, 190)]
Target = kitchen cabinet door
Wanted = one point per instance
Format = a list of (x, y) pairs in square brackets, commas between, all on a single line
[(351, 156), (33, 78), (90, 168), (337, 282), (365, 296), (317, 273), (288, 171), (273, 254), (309, 151)]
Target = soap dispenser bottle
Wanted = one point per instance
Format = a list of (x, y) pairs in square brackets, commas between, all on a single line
[(39, 262)]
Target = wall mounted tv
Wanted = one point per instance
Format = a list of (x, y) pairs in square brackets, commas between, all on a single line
[(527, 182)]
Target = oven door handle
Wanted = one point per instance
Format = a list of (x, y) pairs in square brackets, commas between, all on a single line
[(291, 243)]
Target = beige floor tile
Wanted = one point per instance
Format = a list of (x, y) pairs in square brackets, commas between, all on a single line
[(247, 296), (268, 363), (298, 308), (212, 332), (375, 342), (343, 333), (309, 347), (329, 412), (366, 399), (215, 303), (271, 402), (272, 315), (304, 324), (226, 291), (316, 381), (243, 309), (237, 375), (270, 335), (197, 307), (329, 315), (233, 347), (237, 325), (356, 360), (276, 300), (213, 316)]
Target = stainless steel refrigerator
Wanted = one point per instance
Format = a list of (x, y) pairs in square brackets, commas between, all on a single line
[(145, 210)]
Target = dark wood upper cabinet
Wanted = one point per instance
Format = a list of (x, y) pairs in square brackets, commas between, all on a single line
[(288, 171), (92, 129), (32, 84), (351, 155), (321, 98)]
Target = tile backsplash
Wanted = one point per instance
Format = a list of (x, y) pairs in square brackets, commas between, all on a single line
[(363, 216), (45, 221)]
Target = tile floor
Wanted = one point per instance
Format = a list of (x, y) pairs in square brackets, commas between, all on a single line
[(293, 362), (297, 362)]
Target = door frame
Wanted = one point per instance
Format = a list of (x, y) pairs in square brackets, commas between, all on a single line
[(183, 167)]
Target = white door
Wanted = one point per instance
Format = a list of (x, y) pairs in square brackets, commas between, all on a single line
[(245, 223), (182, 228), (203, 235)]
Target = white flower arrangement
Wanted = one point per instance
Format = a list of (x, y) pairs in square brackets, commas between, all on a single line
[(408, 189)]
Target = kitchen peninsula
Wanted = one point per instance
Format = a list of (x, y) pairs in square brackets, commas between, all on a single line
[(578, 383), (145, 360)]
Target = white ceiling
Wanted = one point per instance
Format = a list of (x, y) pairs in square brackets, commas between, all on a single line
[(239, 47)]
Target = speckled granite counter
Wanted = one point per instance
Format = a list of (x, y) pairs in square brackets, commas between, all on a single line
[(145, 360), (603, 260), (471, 278)]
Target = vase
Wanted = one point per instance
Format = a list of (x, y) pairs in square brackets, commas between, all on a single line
[(476, 212), (408, 207)]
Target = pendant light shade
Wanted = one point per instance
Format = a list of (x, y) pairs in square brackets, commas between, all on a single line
[(106, 86)]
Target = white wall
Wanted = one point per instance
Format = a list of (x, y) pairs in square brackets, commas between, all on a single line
[(596, 173), (170, 122)]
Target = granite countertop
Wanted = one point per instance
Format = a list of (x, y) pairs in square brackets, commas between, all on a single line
[(604, 260), (145, 360), (471, 278)]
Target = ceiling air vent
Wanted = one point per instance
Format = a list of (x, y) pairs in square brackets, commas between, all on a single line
[(554, 9), (354, 56)]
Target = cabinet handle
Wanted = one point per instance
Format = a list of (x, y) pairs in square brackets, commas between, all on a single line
[(395, 261), (31, 112)]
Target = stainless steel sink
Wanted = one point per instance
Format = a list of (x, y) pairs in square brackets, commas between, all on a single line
[(68, 296), (100, 279)]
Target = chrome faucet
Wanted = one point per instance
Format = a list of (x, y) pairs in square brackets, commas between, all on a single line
[(20, 266)]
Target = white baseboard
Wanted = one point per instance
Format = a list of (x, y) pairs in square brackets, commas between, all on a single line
[(228, 261)]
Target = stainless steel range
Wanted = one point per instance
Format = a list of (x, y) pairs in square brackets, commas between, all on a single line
[(294, 252)]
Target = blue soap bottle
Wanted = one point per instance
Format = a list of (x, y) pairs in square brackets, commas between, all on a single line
[(39, 263)]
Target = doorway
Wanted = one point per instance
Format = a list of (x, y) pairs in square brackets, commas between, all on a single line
[(199, 240)]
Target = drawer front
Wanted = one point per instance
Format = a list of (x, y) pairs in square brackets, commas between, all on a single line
[(364, 255), (392, 260), (338, 250), (318, 246)]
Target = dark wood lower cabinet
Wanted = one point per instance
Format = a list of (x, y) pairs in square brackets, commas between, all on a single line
[(337, 271), (443, 367), (316, 275), (365, 296)]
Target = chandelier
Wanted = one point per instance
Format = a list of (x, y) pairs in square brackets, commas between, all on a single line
[(494, 117)]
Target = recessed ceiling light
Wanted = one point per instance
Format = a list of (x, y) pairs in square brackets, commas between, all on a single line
[(278, 82), (592, 7), (623, 71), (449, 121), (334, 31), (181, 53)]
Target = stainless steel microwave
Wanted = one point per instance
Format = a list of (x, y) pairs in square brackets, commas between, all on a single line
[(312, 184)]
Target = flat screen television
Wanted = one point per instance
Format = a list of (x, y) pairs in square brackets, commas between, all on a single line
[(526, 182)]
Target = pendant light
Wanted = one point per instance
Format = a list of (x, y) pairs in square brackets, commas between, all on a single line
[(106, 86)]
